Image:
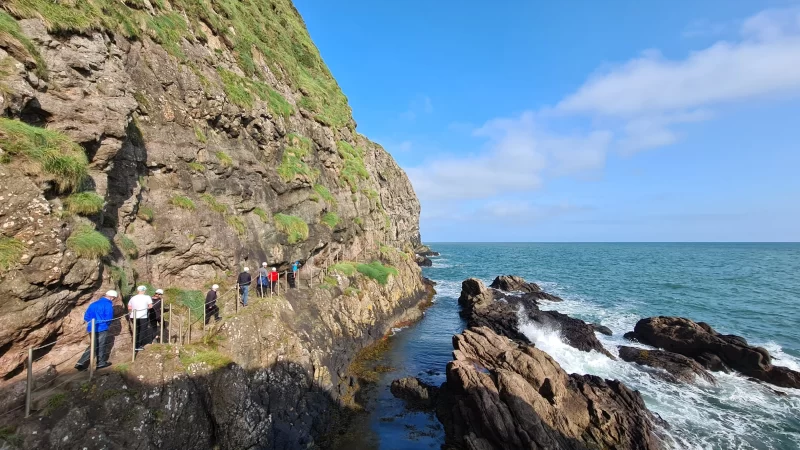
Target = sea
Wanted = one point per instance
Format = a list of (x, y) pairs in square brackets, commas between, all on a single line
[(747, 289)]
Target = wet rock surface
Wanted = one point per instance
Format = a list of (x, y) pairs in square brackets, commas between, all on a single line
[(697, 340), (416, 393), (506, 314), (503, 395), (679, 367)]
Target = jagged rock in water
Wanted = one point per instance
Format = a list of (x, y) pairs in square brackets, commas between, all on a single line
[(482, 306), (513, 283), (681, 368), (715, 351), (416, 393), (423, 261), (504, 395), (602, 329)]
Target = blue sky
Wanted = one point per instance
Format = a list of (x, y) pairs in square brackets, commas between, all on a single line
[(580, 121)]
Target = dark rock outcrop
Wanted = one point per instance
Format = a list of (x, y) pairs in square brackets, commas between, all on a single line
[(503, 395), (482, 306), (513, 283), (715, 351), (423, 261), (602, 329), (679, 367), (416, 393)]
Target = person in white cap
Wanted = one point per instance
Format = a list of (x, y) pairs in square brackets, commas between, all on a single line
[(261, 281), (244, 281), (273, 280), (154, 315), (211, 304), (138, 306), (102, 311)]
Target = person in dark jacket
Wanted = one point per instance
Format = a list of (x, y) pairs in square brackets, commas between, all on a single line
[(102, 311), (154, 315), (211, 304), (244, 284)]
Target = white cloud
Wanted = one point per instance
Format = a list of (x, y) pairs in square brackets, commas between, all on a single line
[(765, 62), (517, 158), (654, 130)]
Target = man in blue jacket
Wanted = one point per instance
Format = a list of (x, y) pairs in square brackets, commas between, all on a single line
[(102, 311)]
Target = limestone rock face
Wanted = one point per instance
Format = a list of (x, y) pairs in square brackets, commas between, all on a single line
[(715, 351), (504, 395), (159, 123)]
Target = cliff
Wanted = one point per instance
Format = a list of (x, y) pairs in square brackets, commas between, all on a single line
[(171, 142)]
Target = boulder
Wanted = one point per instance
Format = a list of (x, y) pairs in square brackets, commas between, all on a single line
[(715, 351), (503, 395), (423, 261), (678, 366), (513, 283), (602, 329), (416, 393)]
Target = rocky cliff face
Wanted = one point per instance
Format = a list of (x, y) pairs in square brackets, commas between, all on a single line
[(172, 142)]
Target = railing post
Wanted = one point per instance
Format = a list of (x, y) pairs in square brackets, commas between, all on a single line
[(171, 324), (180, 333), (29, 386), (189, 326), (204, 316), (133, 346), (237, 297), (92, 349), (161, 337)]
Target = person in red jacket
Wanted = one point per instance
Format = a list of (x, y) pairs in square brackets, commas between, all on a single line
[(273, 280)]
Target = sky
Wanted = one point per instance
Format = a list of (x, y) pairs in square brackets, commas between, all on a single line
[(579, 121)]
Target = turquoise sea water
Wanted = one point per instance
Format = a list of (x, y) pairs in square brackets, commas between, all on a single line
[(752, 290)]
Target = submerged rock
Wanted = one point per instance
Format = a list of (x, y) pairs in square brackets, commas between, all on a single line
[(678, 366), (715, 351), (504, 395), (505, 314), (416, 393)]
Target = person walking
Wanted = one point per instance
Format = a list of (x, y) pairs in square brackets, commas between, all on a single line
[(293, 279), (211, 304), (139, 305), (263, 277), (273, 280), (154, 315), (244, 284), (102, 311)]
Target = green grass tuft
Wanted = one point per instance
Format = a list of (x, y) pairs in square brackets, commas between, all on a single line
[(237, 224), (261, 214), (11, 250), (331, 219), (354, 169), (194, 300), (325, 194), (86, 242), (243, 92), (198, 133), (377, 271), (224, 159), (358, 221), (345, 268), (10, 27), (209, 357), (84, 203), (294, 227), (146, 213), (54, 152), (197, 167), (183, 202), (212, 203), (55, 402), (128, 246)]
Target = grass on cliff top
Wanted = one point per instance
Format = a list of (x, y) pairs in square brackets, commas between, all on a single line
[(274, 31), (331, 219), (10, 28), (294, 227), (11, 251), (86, 242), (354, 169), (84, 203), (55, 153)]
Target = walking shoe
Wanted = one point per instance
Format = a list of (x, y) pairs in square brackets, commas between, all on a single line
[(104, 365), (80, 367)]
